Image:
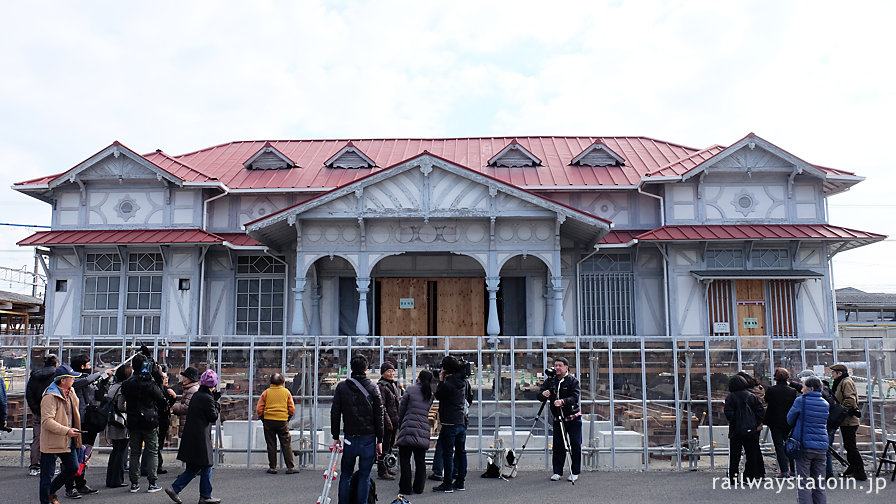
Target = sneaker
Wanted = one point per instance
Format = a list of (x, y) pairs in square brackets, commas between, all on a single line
[(436, 477), (272, 471), (210, 500), (86, 490), (459, 486), (171, 493), (555, 477), (153, 488), (33, 472), (444, 487), (573, 477), (162, 471), (292, 470), (135, 487), (72, 494)]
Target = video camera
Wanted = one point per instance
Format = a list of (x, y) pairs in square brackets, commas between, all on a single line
[(550, 372), (463, 366)]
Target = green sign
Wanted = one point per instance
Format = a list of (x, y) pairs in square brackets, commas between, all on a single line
[(404, 303), (751, 323)]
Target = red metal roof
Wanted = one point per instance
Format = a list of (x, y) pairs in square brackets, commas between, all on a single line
[(619, 237), (822, 232), (240, 239), (121, 237), (642, 155)]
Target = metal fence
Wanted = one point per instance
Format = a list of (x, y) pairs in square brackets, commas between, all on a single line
[(648, 402)]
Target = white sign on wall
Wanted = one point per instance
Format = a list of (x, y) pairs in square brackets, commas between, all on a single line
[(721, 327), (406, 303)]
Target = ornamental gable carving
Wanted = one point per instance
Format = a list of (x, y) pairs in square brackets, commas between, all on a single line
[(113, 168), (451, 192)]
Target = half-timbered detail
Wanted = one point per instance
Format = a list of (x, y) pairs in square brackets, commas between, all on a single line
[(487, 238)]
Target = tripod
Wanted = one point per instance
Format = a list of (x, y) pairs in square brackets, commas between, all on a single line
[(516, 459), (564, 434)]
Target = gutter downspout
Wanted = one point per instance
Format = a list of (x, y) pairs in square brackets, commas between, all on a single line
[(200, 326), (665, 256)]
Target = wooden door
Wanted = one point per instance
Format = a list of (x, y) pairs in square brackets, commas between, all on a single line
[(750, 298), (441, 307)]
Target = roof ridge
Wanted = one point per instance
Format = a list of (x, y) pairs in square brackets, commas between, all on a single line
[(178, 161)]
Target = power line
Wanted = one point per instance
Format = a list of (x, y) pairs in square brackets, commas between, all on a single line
[(24, 225)]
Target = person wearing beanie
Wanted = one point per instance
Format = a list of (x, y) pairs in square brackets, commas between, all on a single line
[(275, 407), (61, 427), (390, 393), (40, 379), (190, 383), (844, 390), (196, 448)]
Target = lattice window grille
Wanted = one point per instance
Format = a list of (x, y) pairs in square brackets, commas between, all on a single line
[(725, 259)]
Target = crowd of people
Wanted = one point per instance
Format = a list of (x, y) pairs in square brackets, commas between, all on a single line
[(809, 411), (132, 406)]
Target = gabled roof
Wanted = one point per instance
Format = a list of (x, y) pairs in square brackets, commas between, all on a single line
[(698, 162), (597, 154), (350, 157), (514, 155), (268, 158), (116, 149), (268, 228)]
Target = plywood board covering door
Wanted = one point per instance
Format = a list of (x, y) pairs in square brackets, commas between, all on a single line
[(750, 299), (397, 321)]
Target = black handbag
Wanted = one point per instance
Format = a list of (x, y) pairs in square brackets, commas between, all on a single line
[(793, 447)]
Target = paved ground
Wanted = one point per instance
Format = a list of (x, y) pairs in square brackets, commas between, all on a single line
[(235, 485)]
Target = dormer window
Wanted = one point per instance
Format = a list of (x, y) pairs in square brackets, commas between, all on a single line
[(269, 158), (597, 154), (350, 157), (514, 155)]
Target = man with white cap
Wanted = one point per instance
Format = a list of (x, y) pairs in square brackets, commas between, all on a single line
[(61, 433)]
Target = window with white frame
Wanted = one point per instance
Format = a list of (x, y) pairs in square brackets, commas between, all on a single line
[(143, 306), (259, 295), (767, 258), (608, 300), (725, 259), (142, 298), (102, 276)]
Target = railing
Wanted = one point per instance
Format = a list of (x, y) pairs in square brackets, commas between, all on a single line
[(648, 402)]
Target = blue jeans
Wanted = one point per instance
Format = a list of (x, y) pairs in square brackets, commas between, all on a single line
[(830, 462), (453, 440), (48, 466), (437, 467), (362, 448), (205, 480)]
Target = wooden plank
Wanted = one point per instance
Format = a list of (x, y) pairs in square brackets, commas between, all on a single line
[(460, 310), (397, 321)]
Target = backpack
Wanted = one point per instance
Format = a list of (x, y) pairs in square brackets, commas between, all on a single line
[(117, 418), (744, 417), (353, 489), (96, 416)]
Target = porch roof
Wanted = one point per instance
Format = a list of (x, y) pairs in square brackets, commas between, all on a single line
[(121, 237), (765, 274)]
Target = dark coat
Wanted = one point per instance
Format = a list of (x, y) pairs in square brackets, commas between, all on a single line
[(451, 394), (144, 400), (196, 447), (389, 393), (40, 379), (569, 391), (736, 405), (413, 415), (362, 417), (812, 429), (779, 398)]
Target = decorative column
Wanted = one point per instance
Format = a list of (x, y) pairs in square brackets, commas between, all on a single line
[(548, 309), (362, 328), (298, 312), (315, 310), (494, 326), (559, 325)]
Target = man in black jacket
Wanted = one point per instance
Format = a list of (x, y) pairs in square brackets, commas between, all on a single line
[(563, 390), (143, 399), (452, 393), (40, 379), (357, 403)]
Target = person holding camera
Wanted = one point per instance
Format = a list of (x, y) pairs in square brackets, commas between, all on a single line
[(845, 393), (390, 393), (454, 398), (275, 407), (563, 391), (357, 403), (143, 399)]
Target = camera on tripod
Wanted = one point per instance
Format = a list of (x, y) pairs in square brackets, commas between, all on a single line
[(550, 372)]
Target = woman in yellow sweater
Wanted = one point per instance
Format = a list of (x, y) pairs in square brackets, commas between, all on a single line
[(275, 408)]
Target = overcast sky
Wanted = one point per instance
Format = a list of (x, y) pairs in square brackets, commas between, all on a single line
[(815, 78)]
